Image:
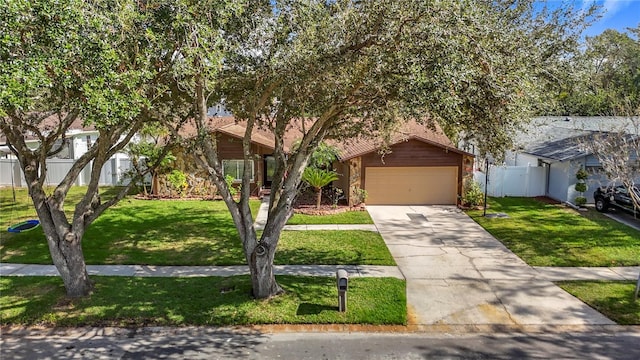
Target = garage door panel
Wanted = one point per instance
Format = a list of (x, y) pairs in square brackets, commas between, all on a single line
[(411, 185)]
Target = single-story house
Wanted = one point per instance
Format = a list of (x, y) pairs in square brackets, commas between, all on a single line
[(418, 166), (553, 144)]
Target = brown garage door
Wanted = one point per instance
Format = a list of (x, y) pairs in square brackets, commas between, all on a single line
[(411, 185)]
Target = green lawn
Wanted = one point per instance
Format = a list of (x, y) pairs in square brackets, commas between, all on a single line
[(553, 235), (614, 299), (185, 232), (333, 247), (208, 301), (347, 217)]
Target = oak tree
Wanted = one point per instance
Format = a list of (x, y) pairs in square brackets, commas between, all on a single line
[(344, 69), (64, 63)]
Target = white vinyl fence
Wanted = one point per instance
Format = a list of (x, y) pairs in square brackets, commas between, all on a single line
[(112, 172), (527, 181)]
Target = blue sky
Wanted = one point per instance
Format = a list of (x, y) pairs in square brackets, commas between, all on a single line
[(618, 15)]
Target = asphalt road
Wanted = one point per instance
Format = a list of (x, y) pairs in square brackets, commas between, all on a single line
[(205, 343)]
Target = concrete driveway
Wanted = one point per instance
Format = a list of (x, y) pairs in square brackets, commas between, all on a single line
[(458, 274)]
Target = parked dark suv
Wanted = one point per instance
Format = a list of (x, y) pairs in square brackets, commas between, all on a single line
[(615, 196)]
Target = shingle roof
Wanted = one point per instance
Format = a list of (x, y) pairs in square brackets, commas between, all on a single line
[(410, 130), (558, 137), (349, 149), (562, 149)]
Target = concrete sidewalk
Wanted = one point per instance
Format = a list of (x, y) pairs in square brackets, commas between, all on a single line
[(458, 274), (542, 273), (201, 271)]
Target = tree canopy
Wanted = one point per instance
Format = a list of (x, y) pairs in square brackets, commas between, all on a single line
[(326, 69), (64, 63), (605, 79), (345, 69)]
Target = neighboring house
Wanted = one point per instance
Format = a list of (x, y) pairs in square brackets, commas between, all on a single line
[(418, 166), (551, 155), (79, 139)]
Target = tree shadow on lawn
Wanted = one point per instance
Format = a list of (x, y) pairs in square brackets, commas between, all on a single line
[(546, 235), (314, 309), (134, 302), (179, 234)]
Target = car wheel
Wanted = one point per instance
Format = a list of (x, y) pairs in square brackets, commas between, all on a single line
[(601, 204)]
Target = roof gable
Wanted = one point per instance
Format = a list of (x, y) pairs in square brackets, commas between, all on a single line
[(409, 131)]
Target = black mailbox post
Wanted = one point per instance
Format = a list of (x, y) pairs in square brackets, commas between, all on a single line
[(342, 280)]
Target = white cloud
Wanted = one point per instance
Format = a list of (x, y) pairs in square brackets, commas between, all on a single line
[(611, 7)]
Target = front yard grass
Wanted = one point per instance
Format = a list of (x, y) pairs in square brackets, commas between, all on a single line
[(207, 301), (614, 299), (553, 235), (352, 247), (182, 232), (347, 217)]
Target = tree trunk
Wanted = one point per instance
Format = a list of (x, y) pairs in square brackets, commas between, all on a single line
[(68, 258), (319, 198), (263, 280)]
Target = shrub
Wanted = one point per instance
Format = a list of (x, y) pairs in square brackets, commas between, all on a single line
[(178, 181), (232, 190), (473, 195), (360, 196), (581, 200), (582, 174), (581, 187)]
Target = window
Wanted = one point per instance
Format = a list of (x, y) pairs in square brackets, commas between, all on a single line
[(235, 168)]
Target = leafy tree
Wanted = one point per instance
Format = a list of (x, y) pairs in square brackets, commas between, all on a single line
[(318, 178), (65, 62), (151, 154), (605, 78), (324, 156), (356, 68)]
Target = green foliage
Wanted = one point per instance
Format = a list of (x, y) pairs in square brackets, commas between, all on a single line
[(360, 196), (473, 195), (581, 186), (229, 180), (604, 79), (322, 156), (178, 181), (582, 174), (318, 178)]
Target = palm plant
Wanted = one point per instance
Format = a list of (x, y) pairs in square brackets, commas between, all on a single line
[(317, 179)]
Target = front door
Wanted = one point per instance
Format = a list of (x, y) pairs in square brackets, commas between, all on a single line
[(269, 170)]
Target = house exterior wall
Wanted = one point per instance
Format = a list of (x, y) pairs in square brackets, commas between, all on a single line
[(342, 168), (230, 148), (355, 178), (413, 153), (199, 182)]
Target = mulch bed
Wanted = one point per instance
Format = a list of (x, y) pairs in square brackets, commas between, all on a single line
[(306, 204), (325, 209), (547, 200)]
